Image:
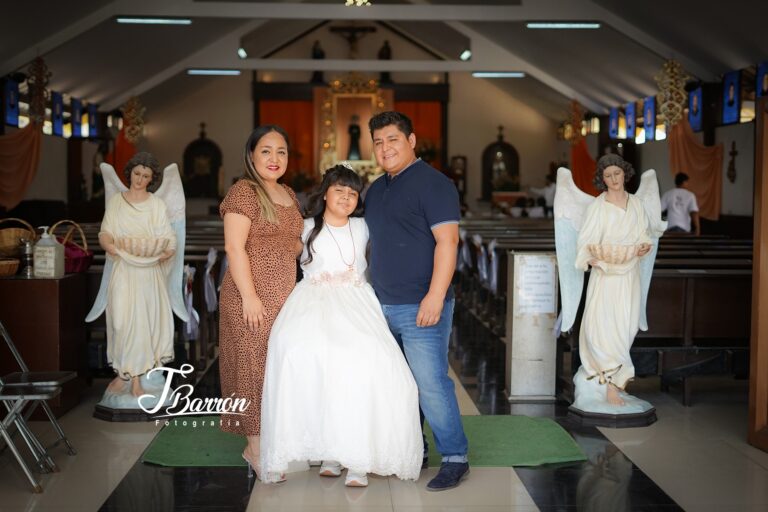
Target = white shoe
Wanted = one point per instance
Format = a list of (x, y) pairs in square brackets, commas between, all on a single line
[(356, 479), (330, 468)]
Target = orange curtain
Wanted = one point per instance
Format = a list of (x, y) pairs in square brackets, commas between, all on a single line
[(120, 155), (583, 167), (19, 158), (427, 118), (297, 118), (702, 164)]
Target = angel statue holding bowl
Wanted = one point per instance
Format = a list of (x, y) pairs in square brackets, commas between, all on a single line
[(616, 234), (143, 235)]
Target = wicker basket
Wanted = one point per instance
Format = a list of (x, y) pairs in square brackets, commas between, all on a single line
[(10, 238), (8, 267), (77, 257)]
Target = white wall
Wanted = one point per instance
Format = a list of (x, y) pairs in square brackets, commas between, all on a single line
[(50, 182), (737, 197), (476, 109), (223, 103)]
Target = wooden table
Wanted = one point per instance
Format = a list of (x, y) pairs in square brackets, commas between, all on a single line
[(46, 320)]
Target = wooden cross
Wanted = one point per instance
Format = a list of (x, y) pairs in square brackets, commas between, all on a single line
[(352, 34)]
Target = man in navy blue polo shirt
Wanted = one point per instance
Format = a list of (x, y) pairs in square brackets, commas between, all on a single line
[(413, 219)]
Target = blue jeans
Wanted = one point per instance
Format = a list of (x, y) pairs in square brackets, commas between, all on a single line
[(426, 350)]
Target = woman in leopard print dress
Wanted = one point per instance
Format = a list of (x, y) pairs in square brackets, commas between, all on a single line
[(262, 229)]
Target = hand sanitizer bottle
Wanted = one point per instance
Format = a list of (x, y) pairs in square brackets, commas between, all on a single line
[(49, 257)]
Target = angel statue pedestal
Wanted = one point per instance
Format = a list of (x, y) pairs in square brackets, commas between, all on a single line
[(614, 235), (143, 235)]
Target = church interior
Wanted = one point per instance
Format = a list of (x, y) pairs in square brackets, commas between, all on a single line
[(502, 94)]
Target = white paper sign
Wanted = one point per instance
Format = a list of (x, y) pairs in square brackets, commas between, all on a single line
[(536, 278)]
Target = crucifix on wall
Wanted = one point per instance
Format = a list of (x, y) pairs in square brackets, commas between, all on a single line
[(352, 34)]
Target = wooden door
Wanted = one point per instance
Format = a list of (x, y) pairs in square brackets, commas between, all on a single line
[(758, 374)]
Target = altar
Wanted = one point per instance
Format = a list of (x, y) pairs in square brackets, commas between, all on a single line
[(322, 120)]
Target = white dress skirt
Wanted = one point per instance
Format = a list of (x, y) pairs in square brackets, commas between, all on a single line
[(337, 386)]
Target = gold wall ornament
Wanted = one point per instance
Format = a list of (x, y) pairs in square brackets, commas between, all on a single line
[(350, 94), (572, 127), (672, 96), (37, 81), (358, 3), (133, 119)]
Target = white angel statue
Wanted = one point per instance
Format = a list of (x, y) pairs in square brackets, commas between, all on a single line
[(617, 234), (141, 287)]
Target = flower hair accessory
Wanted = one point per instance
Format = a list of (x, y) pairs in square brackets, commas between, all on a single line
[(347, 164)]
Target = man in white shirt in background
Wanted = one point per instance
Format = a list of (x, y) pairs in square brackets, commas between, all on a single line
[(548, 193), (681, 207)]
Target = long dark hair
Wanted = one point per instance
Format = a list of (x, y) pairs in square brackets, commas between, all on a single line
[(266, 205), (336, 175)]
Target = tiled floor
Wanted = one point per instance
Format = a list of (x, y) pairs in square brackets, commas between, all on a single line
[(693, 458)]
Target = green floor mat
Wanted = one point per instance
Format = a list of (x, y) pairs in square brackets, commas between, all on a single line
[(494, 441)]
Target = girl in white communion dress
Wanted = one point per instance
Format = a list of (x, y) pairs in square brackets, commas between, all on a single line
[(337, 387)]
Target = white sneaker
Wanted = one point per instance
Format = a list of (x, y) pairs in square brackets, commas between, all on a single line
[(330, 468), (356, 479)]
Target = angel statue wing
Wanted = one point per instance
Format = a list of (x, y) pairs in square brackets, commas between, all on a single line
[(112, 186), (648, 194), (171, 192), (570, 208)]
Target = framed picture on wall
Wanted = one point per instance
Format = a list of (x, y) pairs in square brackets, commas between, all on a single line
[(57, 113), (762, 80), (11, 95), (613, 128), (649, 117), (631, 116), (731, 103), (694, 109)]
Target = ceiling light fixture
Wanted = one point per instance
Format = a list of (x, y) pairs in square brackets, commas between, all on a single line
[(213, 72), (498, 74), (155, 21), (242, 53), (466, 55), (562, 25)]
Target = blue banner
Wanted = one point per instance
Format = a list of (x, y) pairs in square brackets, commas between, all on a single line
[(76, 109), (11, 98), (613, 127), (631, 117), (93, 127), (57, 113), (762, 80), (731, 103), (694, 109), (649, 117)]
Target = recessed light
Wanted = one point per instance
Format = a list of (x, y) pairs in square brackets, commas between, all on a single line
[(242, 53), (214, 72), (466, 55), (562, 25), (498, 74), (155, 21)]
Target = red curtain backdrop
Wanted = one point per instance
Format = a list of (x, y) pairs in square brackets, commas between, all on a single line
[(583, 167), (119, 156), (297, 119), (702, 164), (427, 117), (19, 158)]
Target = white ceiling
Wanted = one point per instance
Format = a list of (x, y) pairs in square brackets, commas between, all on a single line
[(92, 57)]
